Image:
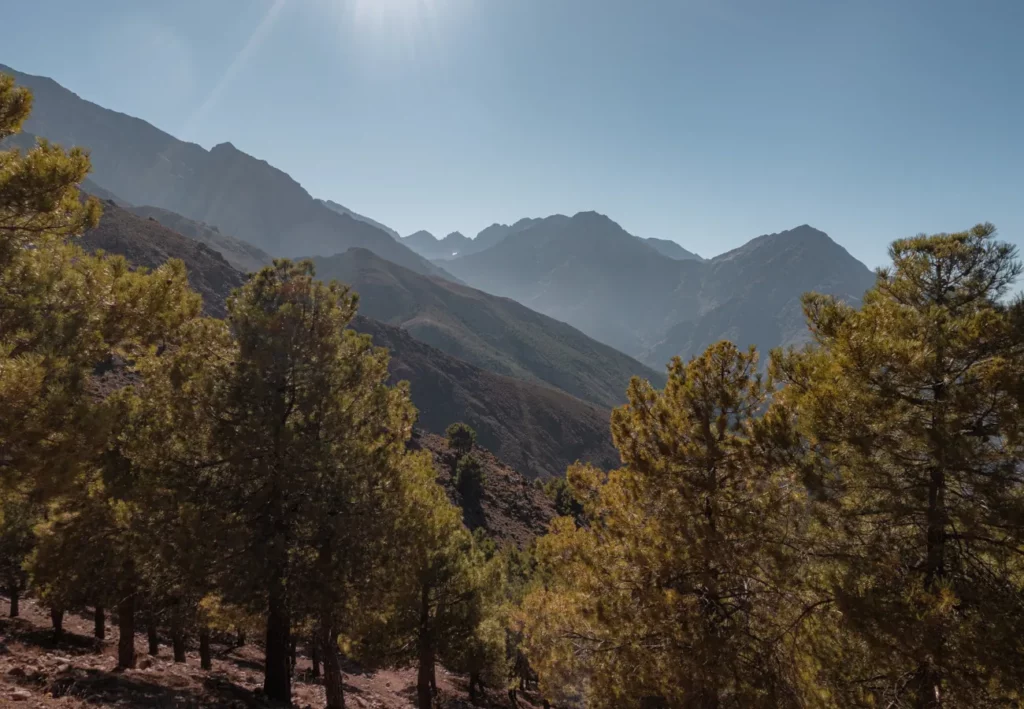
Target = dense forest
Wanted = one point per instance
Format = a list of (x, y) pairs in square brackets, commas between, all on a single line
[(841, 527)]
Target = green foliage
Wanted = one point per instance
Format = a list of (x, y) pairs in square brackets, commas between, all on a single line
[(911, 409), (461, 438), (677, 588), (561, 493), (469, 479), (18, 517)]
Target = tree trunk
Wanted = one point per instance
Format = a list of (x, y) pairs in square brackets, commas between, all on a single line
[(474, 678), (425, 675), (241, 638), (277, 681), (126, 626), (205, 662), (314, 657), (334, 681), (293, 655), (57, 619), (15, 598), (152, 636), (99, 619), (177, 636)]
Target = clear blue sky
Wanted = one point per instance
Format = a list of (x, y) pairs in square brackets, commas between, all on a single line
[(703, 121)]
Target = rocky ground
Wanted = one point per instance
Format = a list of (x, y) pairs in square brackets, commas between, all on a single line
[(80, 672)]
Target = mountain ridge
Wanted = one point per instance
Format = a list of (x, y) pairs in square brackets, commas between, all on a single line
[(572, 270), (497, 334), (238, 193)]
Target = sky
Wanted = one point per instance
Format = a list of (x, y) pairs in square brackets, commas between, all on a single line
[(708, 122)]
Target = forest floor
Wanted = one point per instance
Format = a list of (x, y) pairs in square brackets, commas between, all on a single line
[(80, 672)]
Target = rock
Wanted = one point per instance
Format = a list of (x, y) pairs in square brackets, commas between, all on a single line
[(21, 695), (16, 672), (66, 667), (144, 664)]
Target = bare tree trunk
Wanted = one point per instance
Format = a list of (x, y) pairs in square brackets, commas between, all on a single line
[(178, 642), (57, 619), (293, 655), (425, 680), (205, 662), (152, 636), (314, 657), (277, 681), (126, 627), (334, 681), (15, 598), (99, 619)]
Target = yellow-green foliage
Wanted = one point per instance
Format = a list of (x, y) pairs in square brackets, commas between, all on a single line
[(676, 591), (911, 411)]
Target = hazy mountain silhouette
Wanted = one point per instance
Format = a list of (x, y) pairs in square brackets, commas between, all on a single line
[(223, 187), (671, 249), (340, 209), (430, 247), (497, 334), (589, 272)]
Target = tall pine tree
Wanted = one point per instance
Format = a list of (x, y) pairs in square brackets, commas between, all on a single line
[(911, 407)]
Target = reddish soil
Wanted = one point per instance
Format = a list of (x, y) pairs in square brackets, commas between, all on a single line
[(79, 672)]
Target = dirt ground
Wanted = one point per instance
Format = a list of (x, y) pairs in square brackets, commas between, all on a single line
[(80, 672)]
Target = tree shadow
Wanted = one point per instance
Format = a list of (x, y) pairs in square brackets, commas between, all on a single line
[(70, 643)]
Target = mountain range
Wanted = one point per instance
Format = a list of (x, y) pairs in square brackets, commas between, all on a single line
[(586, 270), (536, 429), (530, 331), (497, 334), (222, 187)]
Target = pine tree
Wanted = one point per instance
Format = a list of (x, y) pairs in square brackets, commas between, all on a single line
[(911, 408), (461, 438), (676, 593), (18, 517), (309, 445), (440, 604)]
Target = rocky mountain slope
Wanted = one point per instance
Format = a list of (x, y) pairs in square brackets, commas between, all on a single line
[(145, 242), (497, 334), (240, 254), (223, 187), (589, 272), (535, 429)]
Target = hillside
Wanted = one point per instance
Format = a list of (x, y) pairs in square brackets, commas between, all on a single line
[(242, 255), (586, 271), (752, 294), (512, 508), (497, 334), (575, 270), (146, 242), (537, 430), (671, 249), (222, 187), (341, 209)]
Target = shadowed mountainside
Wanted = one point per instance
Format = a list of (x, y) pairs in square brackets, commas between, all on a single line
[(497, 334), (537, 430)]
